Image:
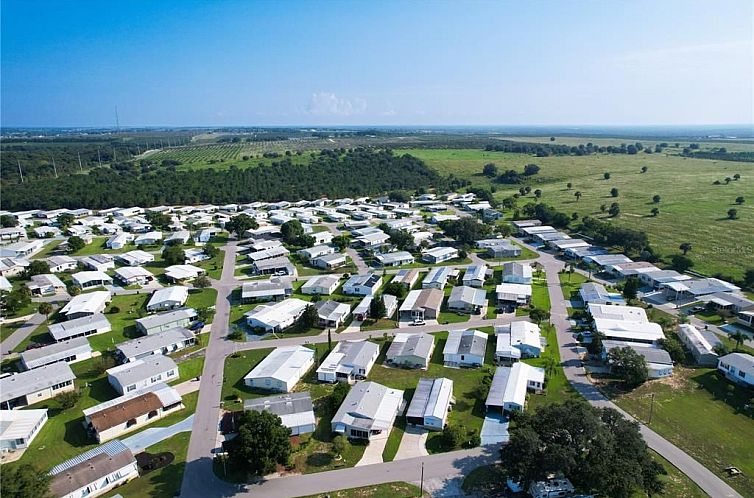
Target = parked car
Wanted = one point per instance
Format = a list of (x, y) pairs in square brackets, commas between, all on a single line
[(417, 321)]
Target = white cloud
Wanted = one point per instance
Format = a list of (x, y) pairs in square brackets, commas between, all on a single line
[(329, 104)]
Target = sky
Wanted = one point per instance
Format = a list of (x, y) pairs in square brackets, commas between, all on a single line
[(234, 63)]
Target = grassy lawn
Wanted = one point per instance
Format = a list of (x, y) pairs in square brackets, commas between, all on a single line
[(313, 452), (98, 247), (381, 324), (63, 436), (540, 295), (469, 409), (236, 367), (394, 439), (129, 306), (557, 388), (571, 283), (190, 368), (386, 490), (710, 317), (47, 249), (161, 482), (704, 416), (213, 266), (526, 254), (201, 298), (692, 208)]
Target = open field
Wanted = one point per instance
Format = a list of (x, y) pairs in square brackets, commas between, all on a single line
[(605, 141), (223, 156), (692, 209), (703, 415)]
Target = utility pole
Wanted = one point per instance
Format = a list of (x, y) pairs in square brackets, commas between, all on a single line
[(20, 173), (651, 407), (55, 168), (421, 485), (115, 156), (99, 158), (80, 166)]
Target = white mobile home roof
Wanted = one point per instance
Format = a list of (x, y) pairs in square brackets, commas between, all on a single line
[(467, 341), (34, 358), (622, 313), (183, 272), (19, 424), (160, 319), (283, 364), (294, 409), (138, 370), (509, 384), (629, 331), (63, 330), (31, 381), (135, 347), (518, 333), (90, 302), (370, 406), (431, 398), (703, 342), (275, 314), (177, 293)]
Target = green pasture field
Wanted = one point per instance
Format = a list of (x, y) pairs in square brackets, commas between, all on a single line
[(692, 208)]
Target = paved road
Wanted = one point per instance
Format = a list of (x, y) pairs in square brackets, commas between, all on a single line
[(22, 333), (576, 375), (200, 481)]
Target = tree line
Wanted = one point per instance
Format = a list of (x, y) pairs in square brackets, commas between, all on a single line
[(357, 172)]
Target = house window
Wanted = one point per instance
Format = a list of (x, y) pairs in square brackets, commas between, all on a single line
[(130, 388), (741, 373), (156, 378)]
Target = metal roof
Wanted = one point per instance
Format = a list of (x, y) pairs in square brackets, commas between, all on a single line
[(33, 358), (136, 371), (63, 330), (467, 341), (31, 381), (154, 342), (284, 364)]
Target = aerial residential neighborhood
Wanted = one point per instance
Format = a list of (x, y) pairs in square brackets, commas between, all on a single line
[(376, 249)]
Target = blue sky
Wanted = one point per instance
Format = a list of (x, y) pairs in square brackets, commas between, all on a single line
[(382, 63)]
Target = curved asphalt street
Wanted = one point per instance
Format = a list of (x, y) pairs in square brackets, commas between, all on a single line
[(200, 481)]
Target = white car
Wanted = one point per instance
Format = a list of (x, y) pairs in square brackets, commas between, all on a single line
[(417, 321)]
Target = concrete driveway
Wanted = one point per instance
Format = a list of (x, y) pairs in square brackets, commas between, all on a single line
[(413, 443), (373, 453), (494, 429)]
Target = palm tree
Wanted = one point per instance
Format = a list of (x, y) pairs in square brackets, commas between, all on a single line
[(551, 365), (577, 194), (655, 211), (591, 267), (685, 247), (739, 337)]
